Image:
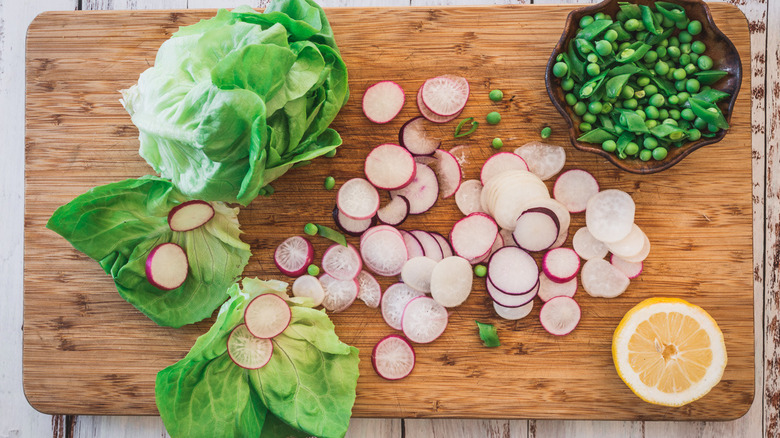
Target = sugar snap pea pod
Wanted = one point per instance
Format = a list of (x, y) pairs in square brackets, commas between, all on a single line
[(622, 34), (657, 38), (627, 69), (584, 47), (631, 10), (671, 132), (590, 87), (649, 20), (709, 77), (597, 135), (632, 121), (633, 53), (615, 85), (708, 112), (711, 96), (664, 85), (623, 141), (671, 11), (606, 124), (576, 66), (594, 29)]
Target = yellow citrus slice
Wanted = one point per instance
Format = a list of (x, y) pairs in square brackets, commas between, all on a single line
[(669, 351)]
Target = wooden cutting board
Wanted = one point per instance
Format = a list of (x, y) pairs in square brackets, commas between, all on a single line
[(86, 351)]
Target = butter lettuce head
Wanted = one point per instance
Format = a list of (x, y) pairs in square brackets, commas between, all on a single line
[(235, 101)]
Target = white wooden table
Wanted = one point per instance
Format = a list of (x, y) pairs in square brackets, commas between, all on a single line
[(18, 419)]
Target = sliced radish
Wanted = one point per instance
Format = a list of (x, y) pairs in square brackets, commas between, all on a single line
[(415, 137), (561, 264), (417, 273), (358, 199), (448, 170), (341, 262), (574, 188), (451, 280), (383, 101), (497, 244), (588, 247), (393, 357), (384, 252), (339, 294), (430, 115), (309, 287), (431, 247), (543, 160), (506, 237), (467, 197), (423, 320), (445, 95), (560, 315), (394, 301), (513, 313), (413, 246), (267, 315), (389, 166), (369, 290), (377, 228), (631, 269), (641, 255), (630, 245), (473, 236), (353, 227), (536, 229), (190, 215), (609, 215), (248, 351), (394, 212), (549, 289), (601, 279), (293, 256), (422, 192), (510, 300), (167, 266), (499, 163), (508, 194), (444, 244), (513, 271)]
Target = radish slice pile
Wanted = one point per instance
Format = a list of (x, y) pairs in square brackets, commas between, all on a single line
[(601, 278), (561, 264), (513, 313), (383, 101), (631, 269), (413, 246), (536, 229), (423, 320), (394, 212), (339, 294), (609, 215), (543, 160), (267, 316), (309, 287), (448, 171), (415, 137), (389, 167), (560, 315), (357, 199), (467, 197), (587, 246), (473, 236), (417, 273), (574, 188), (394, 301), (190, 215), (549, 289), (445, 95), (393, 357), (353, 227), (499, 163), (422, 192), (341, 262), (167, 266), (430, 245), (383, 250), (369, 290)]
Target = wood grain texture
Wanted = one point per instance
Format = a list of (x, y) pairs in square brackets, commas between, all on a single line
[(79, 136)]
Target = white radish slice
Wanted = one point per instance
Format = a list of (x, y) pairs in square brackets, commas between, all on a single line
[(601, 279), (464, 154), (506, 237), (630, 245), (394, 212), (353, 227), (513, 313), (473, 236), (393, 357), (508, 194), (389, 166), (497, 244), (641, 255), (394, 301), (417, 273), (190, 215), (377, 228), (444, 244), (358, 199), (369, 290), (423, 320), (561, 264), (448, 171), (445, 95), (499, 163), (467, 197), (430, 245), (422, 192), (248, 351), (267, 315), (549, 289), (574, 188), (309, 287), (563, 215), (416, 138), (383, 101), (293, 256), (560, 315), (167, 266), (384, 252), (609, 215), (536, 229), (513, 271), (413, 246), (339, 294), (508, 300), (588, 247), (430, 115), (631, 269), (451, 281), (544, 160), (341, 262)]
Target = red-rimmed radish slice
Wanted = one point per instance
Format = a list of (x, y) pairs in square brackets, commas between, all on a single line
[(536, 229), (383, 101), (544, 160), (248, 351), (564, 218), (341, 262), (473, 236), (574, 188), (384, 252), (588, 247), (451, 281), (509, 193), (609, 215), (423, 320), (267, 315), (416, 138), (167, 266), (549, 289), (497, 244), (601, 279), (499, 163), (353, 227), (631, 269), (513, 271), (509, 300), (428, 160), (389, 166), (358, 199), (467, 197), (431, 247), (394, 301), (339, 294), (630, 245), (309, 287), (377, 228), (393, 357), (417, 273), (369, 290), (395, 211), (513, 313), (560, 315), (293, 256), (465, 154), (561, 264), (190, 215), (413, 246), (422, 192), (430, 115), (448, 170), (444, 244), (445, 95), (641, 255)]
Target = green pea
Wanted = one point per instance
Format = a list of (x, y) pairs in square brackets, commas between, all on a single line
[(692, 86), (546, 132), (593, 69), (611, 35), (641, 35), (651, 123), (659, 153), (585, 127), (712, 128), (663, 113), (670, 122), (586, 21), (664, 43), (682, 24), (567, 84), (571, 99), (684, 37), (694, 57), (699, 123), (641, 113), (313, 270), (592, 57), (666, 22), (310, 229), (619, 130), (673, 41), (690, 69), (661, 51), (651, 56), (609, 145), (480, 270), (497, 95), (684, 59), (632, 148), (560, 69), (685, 48), (674, 52), (658, 18), (603, 47), (331, 153), (643, 81), (595, 107), (600, 16), (687, 114), (630, 103), (650, 89), (494, 117), (661, 68), (694, 27), (679, 74), (631, 24), (683, 96), (606, 108), (330, 183), (645, 154), (705, 62), (497, 143), (589, 117), (673, 99), (698, 47), (675, 114), (694, 134), (651, 112), (627, 92)]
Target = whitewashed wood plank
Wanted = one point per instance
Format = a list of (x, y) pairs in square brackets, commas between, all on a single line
[(118, 427), (132, 4), (446, 428), (208, 4), (375, 427), (467, 2)]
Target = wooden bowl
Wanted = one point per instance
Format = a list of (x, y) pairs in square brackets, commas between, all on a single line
[(722, 51)]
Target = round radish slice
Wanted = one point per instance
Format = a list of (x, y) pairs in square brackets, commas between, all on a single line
[(167, 266), (497, 244), (445, 95), (369, 291), (506, 237), (499, 163), (430, 115), (448, 170), (630, 245), (293, 256), (574, 188), (394, 301), (383, 101), (190, 215), (561, 264), (393, 357), (549, 289), (467, 197), (508, 194), (558, 209), (423, 320), (422, 192), (413, 246), (601, 279), (431, 247), (560, 315), (641, 255), (588, 247), (509, 300), (513, 313), (248, 351), (267, 315), (309, 287), (444, 244), (394, 212), (513, 271), (353, 227), (416, 138), (417, 273), (631, 269), (609, 215), (341, 262), (451, 280), (543, 160), (536, 229), (384, 252), (473, 236), (339, 294), (358, 199), (389, 166)]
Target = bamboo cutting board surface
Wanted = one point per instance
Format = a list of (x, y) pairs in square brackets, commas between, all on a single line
[(86, 351)]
